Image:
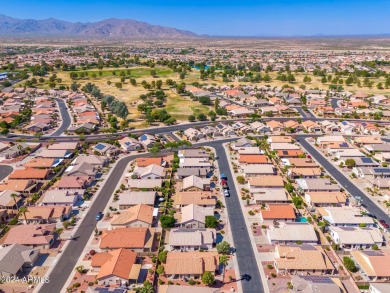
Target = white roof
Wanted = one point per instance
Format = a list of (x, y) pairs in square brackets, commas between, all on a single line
[(293, 232), (357, 235)]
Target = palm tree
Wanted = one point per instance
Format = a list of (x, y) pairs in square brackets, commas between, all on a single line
[(223, 260), (23, 210), (147, 288), (14, 196)]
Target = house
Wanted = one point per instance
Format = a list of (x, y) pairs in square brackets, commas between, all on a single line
[(10, 200), (69, 146), (344, 154), (117, 267), (47, 214), (81, 170), (74, 182), (43, 163), (278, 212), (195, 163), (16, 258), (106, 149), (97, 161), (243, 143), (318, 284), (147, 140), (304, 172), (363, 140), (250, 151), (191, 264), (374, 265), (133, 198), (253, 170), (22, 186), (379, 288), (30, 173), (37, 235), (144, 162), (191, 239), (290, 153), (195, 183), (302, 259), (150, 172), (299, 163), (253, 159), (63, 197), (285, 233), (193, 153), (345, 217), (140, 215), (193, 134), (182, 173), (316, 184), (275, 126), (202, 198), (139, 239), (271, 195), (371, 173), (356, 237), (276, 146), (194, 216), (129, 144), (143, 184), (55, 154), (280, 139), (260, 182), (322, 199)]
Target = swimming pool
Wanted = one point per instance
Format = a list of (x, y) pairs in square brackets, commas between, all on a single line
[(301, 220)]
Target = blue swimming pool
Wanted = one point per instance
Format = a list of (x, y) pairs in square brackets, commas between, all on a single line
[(301, 220)]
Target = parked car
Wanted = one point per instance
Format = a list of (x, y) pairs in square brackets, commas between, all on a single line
[(384, 224), (226, 193), (99, 216)]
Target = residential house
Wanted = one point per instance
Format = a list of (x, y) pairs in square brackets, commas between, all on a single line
[(140, 215), (260, 182), (147, 140), (191, 239), (285, 233), (345, 217), (194, 183), (356, 237), (131, 198), (323, 199), (150, 172), (62, 197), (278, 212), (129, 144), (16, 259), (47, 214), (191, 264), (139, 239), (316, 184), (202, 198), (39, 235), (374, 265), (194, 216)]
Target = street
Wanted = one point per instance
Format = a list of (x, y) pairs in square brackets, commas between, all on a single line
[(65, 118), (344, 181)]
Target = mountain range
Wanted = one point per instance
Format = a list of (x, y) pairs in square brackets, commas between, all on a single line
[(108, 28)]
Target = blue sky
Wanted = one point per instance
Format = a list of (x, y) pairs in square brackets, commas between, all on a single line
[(223, 18)]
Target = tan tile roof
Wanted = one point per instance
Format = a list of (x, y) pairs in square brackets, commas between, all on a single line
[(29, 234), (253, 159), (144, 162), (46, 212), (266, 181), (194, 197), (139, 212), (16, 185), (302, 162), (294, 257), (278, 211), (39, 163), (131, 238), (280, 138), (306, 171), (117, 263), (373, 264), (188, 263), (290, 153), (29, 173), (327, 197)]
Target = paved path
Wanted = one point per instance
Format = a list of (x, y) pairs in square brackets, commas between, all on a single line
[(5, 170), (344, 181), (70, 256), (64, 116), (245, 256)]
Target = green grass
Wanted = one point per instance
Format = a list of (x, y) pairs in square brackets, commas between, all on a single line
[(135, 72), (181, 107)]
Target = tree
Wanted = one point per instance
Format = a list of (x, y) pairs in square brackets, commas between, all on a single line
[(162, 256), (202, 117), (80, 269), (191, 118), (375, 247), (350, 163), (147, 288), (14, 196), (240, 179), (159, 84), (289, 188), (223, 247), (167, 221), (153, 72), (349, 264), (118, 85), (74, 86), (223, 260), (133, 82), (23, 211), (211, 222), (208, 278), (160, 270)]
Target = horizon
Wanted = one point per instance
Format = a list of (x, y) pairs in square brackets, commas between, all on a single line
[(281, 18)]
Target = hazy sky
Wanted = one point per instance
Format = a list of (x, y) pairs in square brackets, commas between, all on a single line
[(224, 18)]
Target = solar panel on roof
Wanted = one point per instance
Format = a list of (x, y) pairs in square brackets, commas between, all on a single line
[(100, 146), (344, 123), (285, 152), (382, 170), (367, 160), (373, 253), (343, 145), (318, 279)]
